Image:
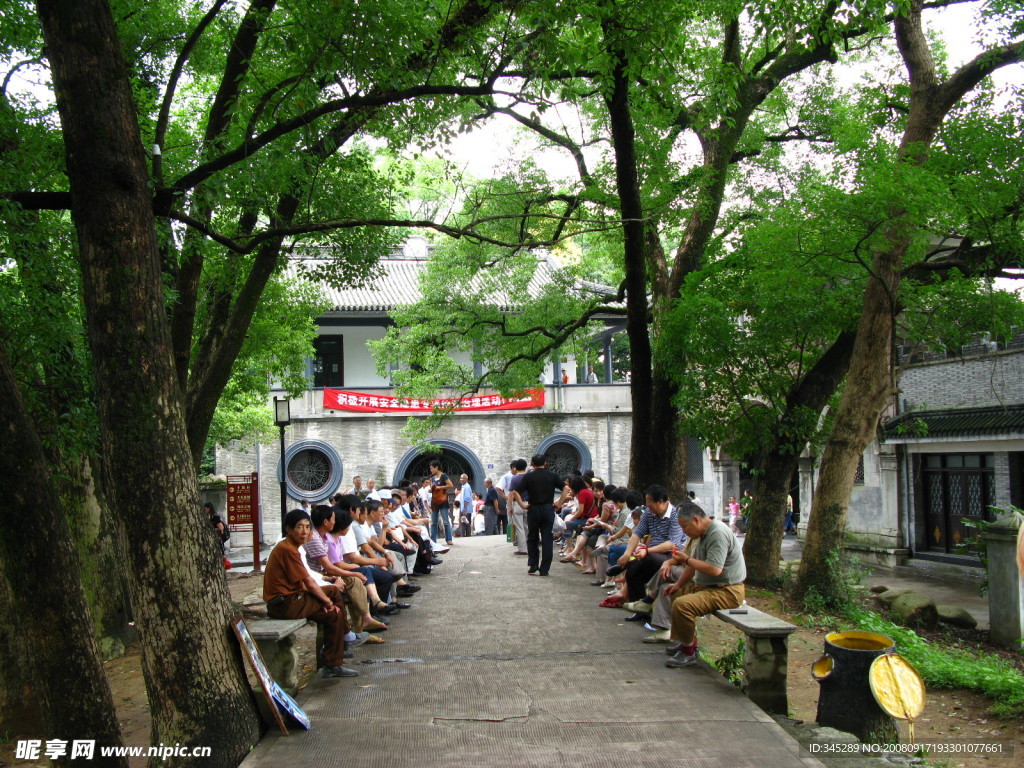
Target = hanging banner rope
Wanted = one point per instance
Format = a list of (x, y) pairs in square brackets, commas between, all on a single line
[(343, 400)]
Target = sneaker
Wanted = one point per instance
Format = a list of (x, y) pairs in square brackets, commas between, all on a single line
[(672, 650), (360, 639), (661, 636), (682, 660), (639, 606), (608, 584), (340, 672)]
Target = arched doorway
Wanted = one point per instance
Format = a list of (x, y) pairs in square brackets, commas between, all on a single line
[(456, 460), (566, 453)]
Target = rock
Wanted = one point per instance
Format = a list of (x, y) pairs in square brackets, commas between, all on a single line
[(956, 616), (915, 610), (826, 735), (879, 588), (253, 598), (890, 595)]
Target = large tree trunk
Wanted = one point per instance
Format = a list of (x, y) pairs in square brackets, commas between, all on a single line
[(51, 612), (763, 541), (95, 536), (199, 695), (779, 458), (868, 388)]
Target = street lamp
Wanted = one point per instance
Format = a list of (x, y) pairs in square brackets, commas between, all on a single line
[(282, 418)]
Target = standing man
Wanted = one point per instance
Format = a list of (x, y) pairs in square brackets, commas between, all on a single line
[(292, 593), (540, 486), (490, 508), (712, 579), (591, 376), (440, 484), (517, 505), (502, 487), (465, 499)]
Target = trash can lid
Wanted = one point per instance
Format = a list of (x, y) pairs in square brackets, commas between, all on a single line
[(897, 686)]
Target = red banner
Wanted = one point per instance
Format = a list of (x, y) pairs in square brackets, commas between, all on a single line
[(342, 400)]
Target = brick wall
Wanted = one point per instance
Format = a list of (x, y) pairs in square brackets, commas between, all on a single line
[(988, 380)]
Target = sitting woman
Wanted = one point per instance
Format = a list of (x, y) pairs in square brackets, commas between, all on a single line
[(615, 548), (593, 534), (586, 508), (615, 527), (354, 584), (341, 543)]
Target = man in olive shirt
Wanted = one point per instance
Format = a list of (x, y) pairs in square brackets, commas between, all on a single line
[(292, 593), (712, 579)]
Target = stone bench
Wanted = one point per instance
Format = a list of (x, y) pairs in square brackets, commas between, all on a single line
[(765, 657), (274, 638)]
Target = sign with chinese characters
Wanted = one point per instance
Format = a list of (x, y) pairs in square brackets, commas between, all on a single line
[(244, 511), (243, 491), (343, 400)]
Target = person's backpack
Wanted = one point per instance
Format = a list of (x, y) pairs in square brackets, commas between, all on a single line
[(226, 534)]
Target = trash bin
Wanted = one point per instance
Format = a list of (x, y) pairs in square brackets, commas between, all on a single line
[(845, 700)]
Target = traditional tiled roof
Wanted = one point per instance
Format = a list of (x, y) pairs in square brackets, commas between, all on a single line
[(923, 426), (398, 283)]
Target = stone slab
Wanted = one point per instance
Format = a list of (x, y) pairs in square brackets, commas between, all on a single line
[(275, 629), (757, 623)]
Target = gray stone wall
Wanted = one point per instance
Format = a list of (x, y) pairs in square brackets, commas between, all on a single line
[(372, 446), (972, 382)]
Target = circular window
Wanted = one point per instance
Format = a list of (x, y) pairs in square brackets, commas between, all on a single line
[(566, 453), (563, 459), (314, 470), (309, 470)]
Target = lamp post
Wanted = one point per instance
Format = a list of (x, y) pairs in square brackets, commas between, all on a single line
[(282, 418)]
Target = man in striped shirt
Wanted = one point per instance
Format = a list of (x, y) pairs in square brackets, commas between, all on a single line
[(642, 560)]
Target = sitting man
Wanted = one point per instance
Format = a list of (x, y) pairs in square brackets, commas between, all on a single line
[(292, 593), (712, 580), (641, 561)]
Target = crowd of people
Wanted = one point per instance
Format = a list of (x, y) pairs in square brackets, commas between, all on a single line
[(666, 564), (351, 561)]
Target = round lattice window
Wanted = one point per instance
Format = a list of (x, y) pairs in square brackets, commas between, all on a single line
[(314, 470), (563, 459), (309, 470)]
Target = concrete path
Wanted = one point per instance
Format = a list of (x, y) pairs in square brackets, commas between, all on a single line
[(496, 668)]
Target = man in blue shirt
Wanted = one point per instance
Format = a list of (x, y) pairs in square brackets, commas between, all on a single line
[(641, 561)]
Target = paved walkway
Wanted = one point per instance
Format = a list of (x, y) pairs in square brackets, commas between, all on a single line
[(496, 668)]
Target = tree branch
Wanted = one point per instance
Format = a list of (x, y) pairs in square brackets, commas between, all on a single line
[(172, 85)]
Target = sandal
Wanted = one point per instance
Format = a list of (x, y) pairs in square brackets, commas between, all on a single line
[(374, 639), (567, 560), (614, 601)]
